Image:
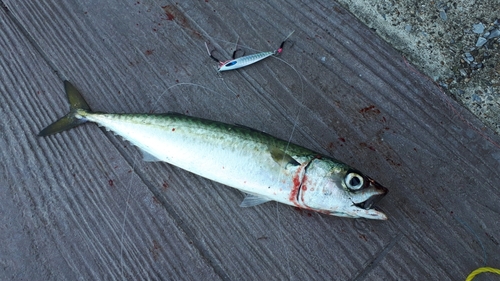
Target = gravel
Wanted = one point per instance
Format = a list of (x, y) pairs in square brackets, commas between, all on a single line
[(456, 43)]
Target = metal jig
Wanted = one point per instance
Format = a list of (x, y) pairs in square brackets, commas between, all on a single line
[(243, 61)]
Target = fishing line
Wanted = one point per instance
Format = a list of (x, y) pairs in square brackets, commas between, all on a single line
[(294, 127), (194, 85), (224, 81), (174, 86), (295, 123), (122, 234), (216, 39), (482, 270), (477, 237)]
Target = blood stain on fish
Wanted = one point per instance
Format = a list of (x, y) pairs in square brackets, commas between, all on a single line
[(295, 189), (303, 188)]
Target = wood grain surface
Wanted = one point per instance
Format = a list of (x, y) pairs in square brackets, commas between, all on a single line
[(81, 205)]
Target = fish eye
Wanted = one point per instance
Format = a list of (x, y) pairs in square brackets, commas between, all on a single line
[(354, 181)]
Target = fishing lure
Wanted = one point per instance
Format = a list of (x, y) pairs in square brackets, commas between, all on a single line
[(240, 62), (262, 166)]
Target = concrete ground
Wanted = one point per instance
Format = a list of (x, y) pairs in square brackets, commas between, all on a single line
[(456, 43)]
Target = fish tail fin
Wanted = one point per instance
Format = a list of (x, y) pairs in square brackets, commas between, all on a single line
[(76, 115)]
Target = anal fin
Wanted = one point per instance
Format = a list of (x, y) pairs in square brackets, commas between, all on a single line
[(253, 200)]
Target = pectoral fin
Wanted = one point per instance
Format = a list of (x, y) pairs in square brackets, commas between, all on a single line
[(253, 200), (282, 158)]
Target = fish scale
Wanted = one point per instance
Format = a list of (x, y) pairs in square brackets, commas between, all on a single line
[(262, 166), (231, 155)]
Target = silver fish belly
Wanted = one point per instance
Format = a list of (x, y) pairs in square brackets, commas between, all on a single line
[(264, 167)]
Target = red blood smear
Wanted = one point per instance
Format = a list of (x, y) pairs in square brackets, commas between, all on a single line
[(303, 188), (295, 188)]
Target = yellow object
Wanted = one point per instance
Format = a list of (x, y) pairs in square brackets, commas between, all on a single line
[(482, 270)]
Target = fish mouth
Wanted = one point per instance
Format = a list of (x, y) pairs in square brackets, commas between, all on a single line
[(370, 203)]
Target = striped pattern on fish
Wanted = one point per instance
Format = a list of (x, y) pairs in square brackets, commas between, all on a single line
[(264, 167)]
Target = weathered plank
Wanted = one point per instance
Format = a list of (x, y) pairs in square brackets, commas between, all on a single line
[(66, 214), (338, 89)]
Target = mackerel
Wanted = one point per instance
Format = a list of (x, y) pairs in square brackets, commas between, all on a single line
[(262, 166)]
